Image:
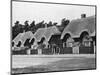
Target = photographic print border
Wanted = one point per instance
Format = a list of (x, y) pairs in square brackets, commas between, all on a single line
[(57, 4)]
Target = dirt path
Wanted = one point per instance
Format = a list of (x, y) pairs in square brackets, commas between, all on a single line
[(20, 61)]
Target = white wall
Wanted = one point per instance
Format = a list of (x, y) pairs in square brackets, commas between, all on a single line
[(5, 37)]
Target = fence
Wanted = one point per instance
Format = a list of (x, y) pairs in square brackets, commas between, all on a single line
[(50, 51)]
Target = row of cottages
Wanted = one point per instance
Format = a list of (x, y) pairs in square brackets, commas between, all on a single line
[(78, 37), (34, 41)]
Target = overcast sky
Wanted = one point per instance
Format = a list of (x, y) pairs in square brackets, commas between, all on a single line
[(23, 11)]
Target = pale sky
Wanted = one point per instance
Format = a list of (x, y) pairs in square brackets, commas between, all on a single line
[(23, 11)]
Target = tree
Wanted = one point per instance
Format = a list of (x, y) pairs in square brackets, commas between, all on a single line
[(16, 23), (40, 25), (16, 29), (64, 22), (55, 24), (49, 24), (26, 26), (32, 24)]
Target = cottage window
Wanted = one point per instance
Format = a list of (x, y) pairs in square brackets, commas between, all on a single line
[(69, 42)]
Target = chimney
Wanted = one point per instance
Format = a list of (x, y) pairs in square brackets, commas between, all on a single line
[(83, 15), (45, 25)]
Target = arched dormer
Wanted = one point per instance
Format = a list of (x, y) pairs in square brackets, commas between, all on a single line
[(66, 36), (83, 35)]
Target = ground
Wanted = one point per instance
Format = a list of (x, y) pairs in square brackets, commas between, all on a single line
[(45, 63)]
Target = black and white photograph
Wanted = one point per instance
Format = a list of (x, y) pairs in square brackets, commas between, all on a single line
[(52, 37)]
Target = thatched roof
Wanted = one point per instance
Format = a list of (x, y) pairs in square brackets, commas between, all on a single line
[(41, 32), (46, 33), (76, 27), (23, 36)]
